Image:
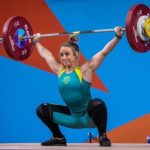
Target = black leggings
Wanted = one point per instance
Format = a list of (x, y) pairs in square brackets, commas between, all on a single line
[(96, 110)]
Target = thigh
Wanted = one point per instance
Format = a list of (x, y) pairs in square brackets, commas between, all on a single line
[(72, 121), (46, 111), (87, 122), (59, 108)]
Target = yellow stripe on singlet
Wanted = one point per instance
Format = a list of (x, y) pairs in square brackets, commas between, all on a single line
[(62, 71), (79, 74)]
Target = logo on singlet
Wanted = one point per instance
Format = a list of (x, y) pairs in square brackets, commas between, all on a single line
[(66, 80)]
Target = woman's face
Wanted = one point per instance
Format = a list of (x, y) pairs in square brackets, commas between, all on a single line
[(68, 56)]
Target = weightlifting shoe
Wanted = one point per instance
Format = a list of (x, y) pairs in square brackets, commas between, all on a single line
[(104, 141), (54, 141)]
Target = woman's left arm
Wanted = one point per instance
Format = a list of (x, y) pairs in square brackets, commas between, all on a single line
[(98, 58)]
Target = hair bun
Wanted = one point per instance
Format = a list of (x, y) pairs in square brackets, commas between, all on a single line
[(73, 38)]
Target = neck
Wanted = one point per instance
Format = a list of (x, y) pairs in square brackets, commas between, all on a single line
[(70, 68)]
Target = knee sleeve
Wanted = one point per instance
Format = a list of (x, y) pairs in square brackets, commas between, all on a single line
[(96, 105), (98, 112), (44, 111)]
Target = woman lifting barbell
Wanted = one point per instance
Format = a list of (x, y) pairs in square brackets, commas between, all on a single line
[(81, 110)]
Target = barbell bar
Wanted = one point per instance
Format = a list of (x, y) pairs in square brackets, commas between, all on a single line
[(66, 33), (74, 32), (17, 33)]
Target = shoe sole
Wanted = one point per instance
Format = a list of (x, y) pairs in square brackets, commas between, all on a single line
[(56, 145)]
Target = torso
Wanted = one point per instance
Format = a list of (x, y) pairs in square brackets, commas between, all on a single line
[(75, 93)]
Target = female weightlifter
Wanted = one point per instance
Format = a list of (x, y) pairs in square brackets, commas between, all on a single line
[(74, 81)]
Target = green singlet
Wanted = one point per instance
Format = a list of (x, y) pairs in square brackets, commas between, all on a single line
[(75, 92)]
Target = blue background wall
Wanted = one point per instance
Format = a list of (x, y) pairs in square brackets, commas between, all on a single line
[(125, 73)]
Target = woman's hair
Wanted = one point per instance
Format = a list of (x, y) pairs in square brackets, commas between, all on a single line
[(72, 43)]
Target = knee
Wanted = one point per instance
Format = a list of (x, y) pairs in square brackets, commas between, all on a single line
[(96, 105), (39, 110), (44, 111)]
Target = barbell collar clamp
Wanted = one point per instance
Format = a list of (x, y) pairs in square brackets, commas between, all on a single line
[(1, 40)]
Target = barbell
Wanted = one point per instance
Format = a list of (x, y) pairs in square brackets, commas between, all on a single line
[(17, 33)]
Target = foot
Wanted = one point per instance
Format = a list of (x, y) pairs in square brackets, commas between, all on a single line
[(54, 141), (104, 141)]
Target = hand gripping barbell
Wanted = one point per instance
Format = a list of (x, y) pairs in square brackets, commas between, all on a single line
[(17, 33)]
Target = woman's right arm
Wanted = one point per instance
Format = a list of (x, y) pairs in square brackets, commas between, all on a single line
[(49, 58)]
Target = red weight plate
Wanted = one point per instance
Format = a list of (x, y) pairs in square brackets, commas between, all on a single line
[(19, 50), (131, 27)]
